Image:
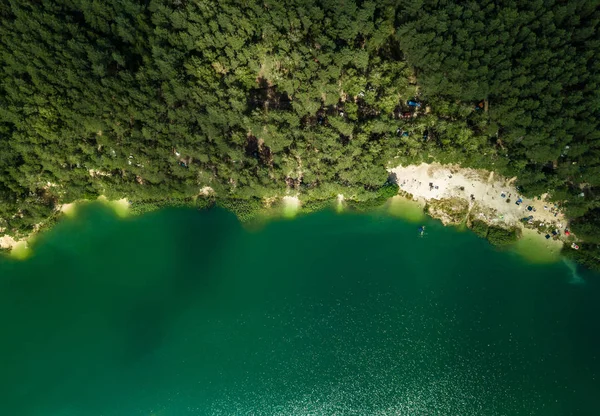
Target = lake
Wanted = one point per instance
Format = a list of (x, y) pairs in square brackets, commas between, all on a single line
[(181, 312)]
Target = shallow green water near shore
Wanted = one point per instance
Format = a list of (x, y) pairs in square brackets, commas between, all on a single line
[(186, 313)]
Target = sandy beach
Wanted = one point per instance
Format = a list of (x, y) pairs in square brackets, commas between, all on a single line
[(7, 242), (491, 198)]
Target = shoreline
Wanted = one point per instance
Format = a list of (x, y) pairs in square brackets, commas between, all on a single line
[(531, 245), (457, 195), (536, 249), (449, 193), (20, 247), (488, 194)]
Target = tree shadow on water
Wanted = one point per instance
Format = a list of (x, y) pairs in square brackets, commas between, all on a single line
[(86, 315), (148, 313)]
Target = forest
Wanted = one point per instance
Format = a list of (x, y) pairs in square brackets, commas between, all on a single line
[(157, 100)]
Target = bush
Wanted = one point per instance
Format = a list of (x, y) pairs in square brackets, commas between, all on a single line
[(378, 198), (141, 207), (588, 226), (205, 202), (317, 205), (366, 205), (502, 236), (388, 190), (588, 254), (480, 228), (244, 209)]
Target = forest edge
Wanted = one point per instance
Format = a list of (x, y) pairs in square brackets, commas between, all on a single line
[(438, 189)]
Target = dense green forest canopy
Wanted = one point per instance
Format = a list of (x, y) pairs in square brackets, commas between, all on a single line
[(157, 99)]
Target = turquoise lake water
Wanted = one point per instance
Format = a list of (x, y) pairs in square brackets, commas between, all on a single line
[(182, 312)]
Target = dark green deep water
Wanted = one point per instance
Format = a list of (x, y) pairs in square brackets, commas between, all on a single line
[(186, 313)]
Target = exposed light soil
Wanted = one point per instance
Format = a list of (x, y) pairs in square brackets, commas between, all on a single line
[(451, 192)]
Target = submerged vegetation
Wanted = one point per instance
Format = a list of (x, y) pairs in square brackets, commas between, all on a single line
[(156, 100)]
